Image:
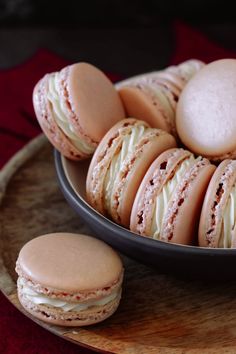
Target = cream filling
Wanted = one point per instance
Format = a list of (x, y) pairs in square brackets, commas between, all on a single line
[(228, 222), (157, 93), (41, 299), (189, 68), (161, 95), (128, 147), (163, 198), (61, 117)]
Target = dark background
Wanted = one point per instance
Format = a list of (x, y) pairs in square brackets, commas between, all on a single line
[(115, 13), (125, 37)]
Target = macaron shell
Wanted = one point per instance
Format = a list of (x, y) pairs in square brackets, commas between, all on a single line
[(185, 229), (151, 186), (44, 114), (212, 240), (93, 99), (138, 105), (71, 318), (206, 111), (62, 262), (150, 151), (102, 158)]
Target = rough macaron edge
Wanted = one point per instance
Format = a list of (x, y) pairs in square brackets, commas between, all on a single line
[(44, 114), (214, 203)]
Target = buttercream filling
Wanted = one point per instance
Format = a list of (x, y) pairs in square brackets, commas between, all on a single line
[(189, 68), (228, 220), (160, 93), (41, 299), (156, 92), (163, 198), (128, 147), (61, 117)]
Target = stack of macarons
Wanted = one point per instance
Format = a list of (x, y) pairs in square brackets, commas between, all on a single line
[(76, 106), (153, 97), (156, 141), (206, 124), (182, 198), (181, 191)]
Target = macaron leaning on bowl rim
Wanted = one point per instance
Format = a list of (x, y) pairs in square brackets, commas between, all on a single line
[(168, 202), (69, 279), (119, 164), (75, 107)]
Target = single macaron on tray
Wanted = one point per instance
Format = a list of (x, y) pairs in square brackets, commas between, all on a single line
[(139, 161), (59, 284)]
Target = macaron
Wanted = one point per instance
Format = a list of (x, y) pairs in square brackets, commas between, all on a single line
[(205, 117), (75, 107), (168, 202), (69, 279), (217, 223), (153, 97), (119, 164), (187, 69)]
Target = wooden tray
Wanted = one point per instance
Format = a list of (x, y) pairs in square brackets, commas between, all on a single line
[(157, 314)]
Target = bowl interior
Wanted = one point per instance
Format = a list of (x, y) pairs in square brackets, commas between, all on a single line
[(76, 173), (184, 261)]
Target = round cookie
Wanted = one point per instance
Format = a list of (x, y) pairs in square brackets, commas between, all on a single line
[(168, 202), (206, 110), (69, 279), (119, 164), (217, 223), (75, 107)]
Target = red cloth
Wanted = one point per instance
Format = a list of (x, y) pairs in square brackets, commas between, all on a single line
[(18, 125)]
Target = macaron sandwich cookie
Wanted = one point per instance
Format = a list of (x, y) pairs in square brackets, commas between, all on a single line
[(75, 107), (153, 97), (217, 227), (205, 117), (119, 164), (69, 279), (168, 202)]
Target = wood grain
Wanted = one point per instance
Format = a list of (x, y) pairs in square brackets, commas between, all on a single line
[(157, 314)]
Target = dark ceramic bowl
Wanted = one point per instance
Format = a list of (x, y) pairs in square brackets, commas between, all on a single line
[(184, 261)]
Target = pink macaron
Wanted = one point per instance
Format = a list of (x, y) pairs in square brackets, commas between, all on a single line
[(119, 164), (153, 97), (206, 111), (217, 223), (69, 279), (168, 202), (75, 107)]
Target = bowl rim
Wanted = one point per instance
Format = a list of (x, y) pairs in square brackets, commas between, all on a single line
[(126, 234)]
